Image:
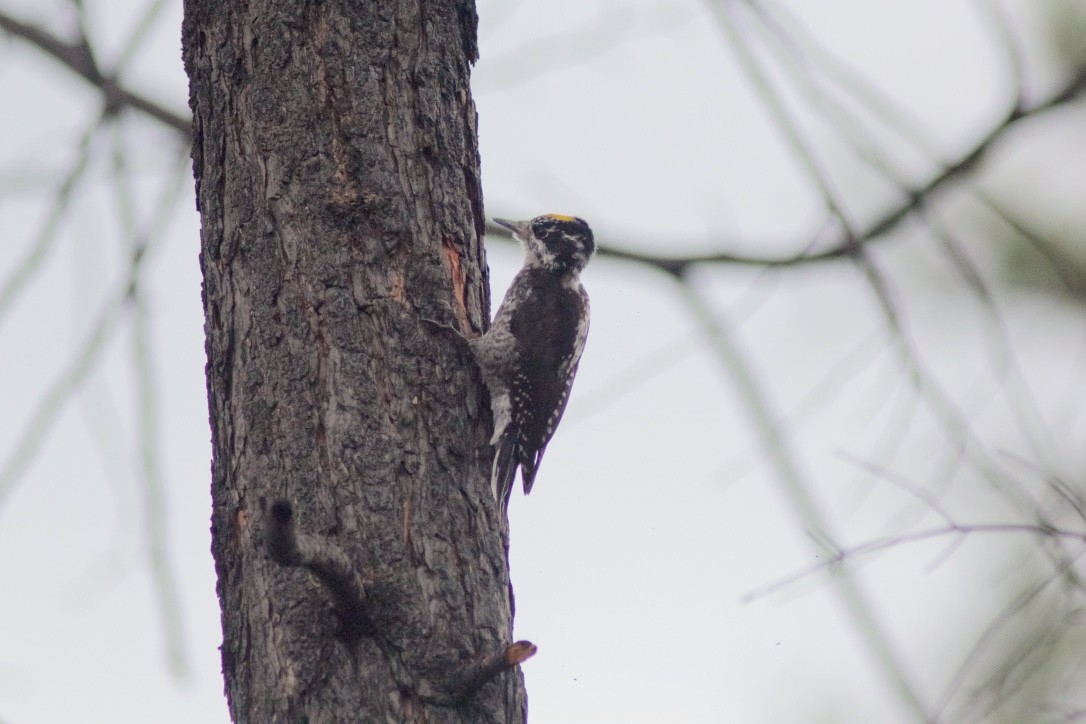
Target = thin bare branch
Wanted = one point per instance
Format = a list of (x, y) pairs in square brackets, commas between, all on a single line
[(883, 544), (1028, 418), (83, 361), (1061, 488), (1016, 605), (140, 33), (619, 245), (816, 397), (900, 481), (845, 121), (787, 126), (156, 520), (39, 249), (798, 490), (820, 61), (609, 29), (78, 59), (936, 398), (996, 15), (1069, 271)]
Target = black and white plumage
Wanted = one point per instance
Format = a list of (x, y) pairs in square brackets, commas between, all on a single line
[(529, 356)]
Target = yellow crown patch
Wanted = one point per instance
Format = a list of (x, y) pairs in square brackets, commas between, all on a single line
[(561, 217)]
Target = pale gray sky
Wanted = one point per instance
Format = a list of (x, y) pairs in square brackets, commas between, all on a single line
[(656, 513)]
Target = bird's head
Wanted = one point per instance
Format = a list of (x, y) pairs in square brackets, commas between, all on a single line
[(555, 242)]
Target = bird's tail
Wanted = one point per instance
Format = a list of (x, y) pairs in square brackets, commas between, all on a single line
[(505, 468), (528, 466)]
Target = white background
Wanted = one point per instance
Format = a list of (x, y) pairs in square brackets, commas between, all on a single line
[(657, 511)]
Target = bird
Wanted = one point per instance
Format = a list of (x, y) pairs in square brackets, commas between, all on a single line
[(530, 354)]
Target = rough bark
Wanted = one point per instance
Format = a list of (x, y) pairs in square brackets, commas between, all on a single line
[(362, 562)]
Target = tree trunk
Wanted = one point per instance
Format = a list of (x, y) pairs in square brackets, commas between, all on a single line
[(362, 567)]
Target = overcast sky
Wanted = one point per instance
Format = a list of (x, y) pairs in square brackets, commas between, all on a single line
[(657, 513)]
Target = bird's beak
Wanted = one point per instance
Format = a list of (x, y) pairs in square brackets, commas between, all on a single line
[(519, 228)]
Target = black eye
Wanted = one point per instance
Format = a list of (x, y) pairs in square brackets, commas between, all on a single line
[(566, 237), (542, 227)]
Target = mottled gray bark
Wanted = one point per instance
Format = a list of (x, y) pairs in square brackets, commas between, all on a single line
[(337, 177)]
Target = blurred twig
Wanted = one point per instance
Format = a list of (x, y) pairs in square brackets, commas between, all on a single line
[(47, 236), (953, 530), (52, 403), (997, 18), (78, 58), (140, 34), (609, 29), (619, 246), (83, 361), (156, 522), (613, 246), (798, 489), (1006, 368), (1016, 605)]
